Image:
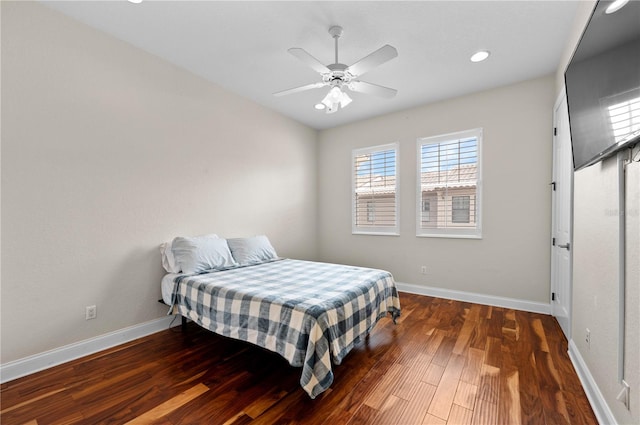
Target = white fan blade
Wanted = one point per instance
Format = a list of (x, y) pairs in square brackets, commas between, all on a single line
[(299, 89), (368, 88), (366, 64), (305, 57)]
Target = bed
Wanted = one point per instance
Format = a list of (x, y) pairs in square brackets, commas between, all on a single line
[(310, 313)]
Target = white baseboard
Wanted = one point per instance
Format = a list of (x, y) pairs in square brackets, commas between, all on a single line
[(472, 297), (28, 365), (596, 399)]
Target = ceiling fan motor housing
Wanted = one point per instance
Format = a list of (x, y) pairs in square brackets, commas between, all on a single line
[(338, 75), (335, 31)]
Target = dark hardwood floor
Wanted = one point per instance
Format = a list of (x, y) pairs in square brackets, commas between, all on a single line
[(445, 362)]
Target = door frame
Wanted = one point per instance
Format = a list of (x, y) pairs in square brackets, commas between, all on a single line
[(553, 283)]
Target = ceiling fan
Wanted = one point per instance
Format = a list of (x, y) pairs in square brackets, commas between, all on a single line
[(339, 76)]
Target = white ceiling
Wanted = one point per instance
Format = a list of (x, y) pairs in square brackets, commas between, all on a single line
[(242, 45)]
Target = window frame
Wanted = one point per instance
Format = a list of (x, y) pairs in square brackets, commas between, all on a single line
[(375, 230), (464, 233)]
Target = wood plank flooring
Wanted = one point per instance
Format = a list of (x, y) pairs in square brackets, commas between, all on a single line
[(445, 362)]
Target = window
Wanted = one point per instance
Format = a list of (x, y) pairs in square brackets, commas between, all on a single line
[(371, 212), (426, 210), (449, 183), (374, 190), (460, 209)]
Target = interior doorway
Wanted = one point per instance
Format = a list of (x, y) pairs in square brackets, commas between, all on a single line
[(561, 223)]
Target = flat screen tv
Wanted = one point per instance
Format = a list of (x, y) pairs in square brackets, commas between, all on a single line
[(602, 82)]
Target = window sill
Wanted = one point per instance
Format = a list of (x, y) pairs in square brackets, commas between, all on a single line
[(376, 233), (449, 236)]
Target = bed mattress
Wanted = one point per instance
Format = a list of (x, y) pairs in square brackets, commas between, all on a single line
[(310, 313)]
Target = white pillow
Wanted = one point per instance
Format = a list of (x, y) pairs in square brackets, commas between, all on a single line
[(168, 260), (201, 253), (252, 250)]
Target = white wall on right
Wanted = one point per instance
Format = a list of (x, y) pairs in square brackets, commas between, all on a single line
[(596, 257), (595, 281), (632, 329)]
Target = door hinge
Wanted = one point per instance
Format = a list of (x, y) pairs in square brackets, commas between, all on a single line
[(553, 241), (555, 131), (553, 296)]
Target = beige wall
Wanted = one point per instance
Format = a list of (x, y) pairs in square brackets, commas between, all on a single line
[(595, 266), (106, 153), (513, 257)]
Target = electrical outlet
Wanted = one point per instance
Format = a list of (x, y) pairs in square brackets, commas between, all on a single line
[(587, 338), (90, 312), (423, 269)]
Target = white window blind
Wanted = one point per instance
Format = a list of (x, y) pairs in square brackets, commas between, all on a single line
[(449, 182), (375, 190)]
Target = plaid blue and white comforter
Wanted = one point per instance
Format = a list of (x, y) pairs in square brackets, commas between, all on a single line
[(312, 314)]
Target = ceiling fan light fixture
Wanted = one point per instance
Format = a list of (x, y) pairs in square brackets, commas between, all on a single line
[(335, 98), (345, 100), (333, 108), (480, 55)]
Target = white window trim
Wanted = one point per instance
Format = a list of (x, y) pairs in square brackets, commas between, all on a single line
[(378, 231), (474, 233)]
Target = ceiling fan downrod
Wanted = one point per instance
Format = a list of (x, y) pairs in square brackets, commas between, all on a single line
[(336, 32)]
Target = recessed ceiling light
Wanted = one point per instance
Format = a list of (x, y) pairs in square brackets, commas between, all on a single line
[(319, 106), (480, 56), (135, 1), (615, 6)]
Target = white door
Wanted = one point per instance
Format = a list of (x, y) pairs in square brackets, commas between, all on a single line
[(562, 190)]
